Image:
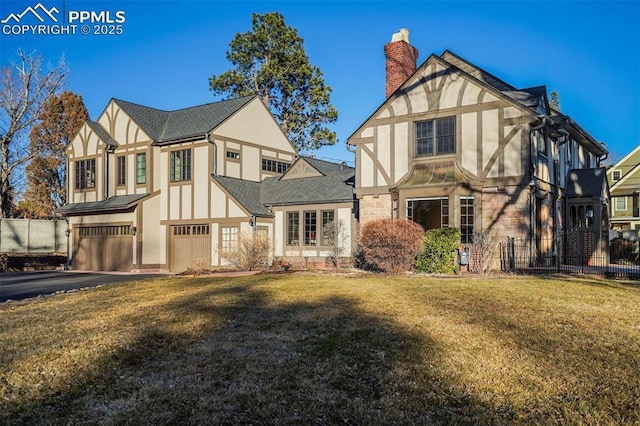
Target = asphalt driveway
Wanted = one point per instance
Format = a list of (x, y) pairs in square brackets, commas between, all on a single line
[(23, 285)]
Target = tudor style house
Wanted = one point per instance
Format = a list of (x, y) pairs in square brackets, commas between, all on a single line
[(624, 181), (453, 145), (168, 190)]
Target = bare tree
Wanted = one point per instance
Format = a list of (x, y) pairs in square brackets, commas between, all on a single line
[(25, 87), (335, 235)]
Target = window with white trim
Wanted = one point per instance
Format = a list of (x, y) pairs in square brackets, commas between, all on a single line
[(621, 203), (616, 175), (466, 219), (229, 238)]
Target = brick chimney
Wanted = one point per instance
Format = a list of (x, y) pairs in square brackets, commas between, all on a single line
[(401, 60)]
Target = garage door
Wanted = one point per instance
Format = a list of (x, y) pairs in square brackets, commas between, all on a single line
[(190, 247), (103, 248)]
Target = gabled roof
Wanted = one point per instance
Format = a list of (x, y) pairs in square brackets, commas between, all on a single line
[(102, 134), (112, 204), (334, 186), (625, 158), (476, 71), (586, 183), (245, 192), (619, 186), (166, 126)]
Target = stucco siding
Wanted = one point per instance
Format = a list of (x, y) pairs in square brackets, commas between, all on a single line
[(263, 129)]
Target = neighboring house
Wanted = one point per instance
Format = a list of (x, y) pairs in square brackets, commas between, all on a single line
[(624, 181), (453, 145), (168, 190)]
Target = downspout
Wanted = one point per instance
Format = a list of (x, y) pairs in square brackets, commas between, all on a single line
[(532, 185), (107, 151), (215, 153)]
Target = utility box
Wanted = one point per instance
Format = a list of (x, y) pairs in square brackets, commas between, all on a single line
[(463, 256)]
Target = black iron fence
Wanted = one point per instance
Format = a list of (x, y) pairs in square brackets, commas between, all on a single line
[(572, 252)]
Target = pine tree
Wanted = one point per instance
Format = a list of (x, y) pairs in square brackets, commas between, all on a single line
[(270, 61), (60, 120)]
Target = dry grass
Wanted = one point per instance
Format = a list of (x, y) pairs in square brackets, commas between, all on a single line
[(325, 349)]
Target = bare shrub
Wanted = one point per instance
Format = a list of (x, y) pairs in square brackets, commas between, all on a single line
[(251, 253), (484, 250), (391, 245), (335, 237)]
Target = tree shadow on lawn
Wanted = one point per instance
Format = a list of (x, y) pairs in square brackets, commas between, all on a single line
[(250, 359), (580, 365)]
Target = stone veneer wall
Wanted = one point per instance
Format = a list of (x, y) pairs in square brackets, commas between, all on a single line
[(507, 213), (372, 207)]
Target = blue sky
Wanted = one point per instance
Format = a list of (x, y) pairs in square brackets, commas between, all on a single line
[(588, 51)]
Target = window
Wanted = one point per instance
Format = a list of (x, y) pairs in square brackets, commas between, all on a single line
[(293, 228), (431, 213), (621, 203), (274, 166), (435, 137), (121, 174), (181, 165), (85, 174), (310, 231), (229, 238), (141, 168), (233, 155), (541, 142), (616, 175), (327, 222), (466, 219)]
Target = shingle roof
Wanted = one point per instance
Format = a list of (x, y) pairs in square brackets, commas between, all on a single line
[(102, 134), (336, 185), (529, 97), (115, 203), (586, 182), (165, 126), (246, 192)]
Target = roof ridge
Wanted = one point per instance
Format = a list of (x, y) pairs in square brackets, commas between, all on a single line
[(460, 58), (185, 108)]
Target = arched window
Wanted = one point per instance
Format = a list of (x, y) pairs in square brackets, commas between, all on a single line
[(589, 216), (580, 217)]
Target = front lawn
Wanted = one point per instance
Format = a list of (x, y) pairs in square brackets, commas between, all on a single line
[(325, 349)]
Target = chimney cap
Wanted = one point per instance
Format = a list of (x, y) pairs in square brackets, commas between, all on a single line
[(402, 35)]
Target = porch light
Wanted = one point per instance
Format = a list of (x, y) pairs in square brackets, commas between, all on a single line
[(67, 232), (134, 230)]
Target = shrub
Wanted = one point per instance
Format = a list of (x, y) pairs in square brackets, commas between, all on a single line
[(390, 245), (439, 254), (252, 252), (335, 234)]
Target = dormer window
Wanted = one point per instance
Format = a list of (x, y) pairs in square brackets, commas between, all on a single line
[(616, 175)]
